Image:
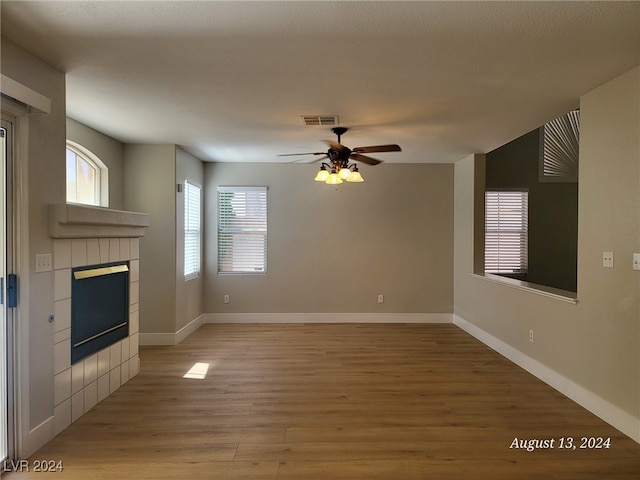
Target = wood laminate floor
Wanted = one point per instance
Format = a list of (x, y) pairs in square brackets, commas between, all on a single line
[(339, 401)]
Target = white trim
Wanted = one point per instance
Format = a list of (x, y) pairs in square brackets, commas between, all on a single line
[(26, 440), (171, 338), (327, 318), (623, 421), (24, 94), (37, 437), (549, 292), (234, 189)]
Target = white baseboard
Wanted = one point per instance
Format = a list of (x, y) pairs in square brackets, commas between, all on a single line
[(327, 318), (36, 438), (623, 421), (171, 338)]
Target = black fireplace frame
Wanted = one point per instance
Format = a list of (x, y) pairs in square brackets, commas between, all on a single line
[(99, 307)]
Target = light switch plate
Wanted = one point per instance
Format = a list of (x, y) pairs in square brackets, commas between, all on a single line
[(636, 261), (43, 262)]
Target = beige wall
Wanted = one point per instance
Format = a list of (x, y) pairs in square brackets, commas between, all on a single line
[(596, 343), (45, 157), (167, 302), (109, 151), (334, 249), (150, 187)]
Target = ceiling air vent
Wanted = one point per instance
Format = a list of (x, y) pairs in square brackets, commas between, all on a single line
[(319, 120)]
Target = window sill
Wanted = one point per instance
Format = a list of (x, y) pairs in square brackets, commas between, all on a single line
[(550, 292)]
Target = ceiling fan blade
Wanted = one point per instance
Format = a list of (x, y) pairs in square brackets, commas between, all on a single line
[(298, 154), (305, 160), (364, 159), (378, 148)]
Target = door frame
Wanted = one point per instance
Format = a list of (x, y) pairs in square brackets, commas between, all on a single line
[(18, 361)]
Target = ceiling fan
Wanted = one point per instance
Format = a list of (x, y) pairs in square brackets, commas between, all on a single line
[(338, 168)]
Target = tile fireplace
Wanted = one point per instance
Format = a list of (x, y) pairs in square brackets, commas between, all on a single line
[(86, 238)]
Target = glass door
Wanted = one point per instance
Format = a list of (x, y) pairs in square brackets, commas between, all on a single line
[(6, 399)]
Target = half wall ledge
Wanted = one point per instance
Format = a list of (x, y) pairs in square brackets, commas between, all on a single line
[(72, 220)]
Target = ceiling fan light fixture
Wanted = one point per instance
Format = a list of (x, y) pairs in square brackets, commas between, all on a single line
[(337, 168), (355, 177), (322, 175), (344, 173), (333, 179)]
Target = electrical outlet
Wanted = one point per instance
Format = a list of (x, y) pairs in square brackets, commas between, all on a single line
[(607, 259), (380, 298), (531, 336), (226, 299)]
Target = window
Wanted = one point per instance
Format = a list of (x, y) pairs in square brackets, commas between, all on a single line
[(192, 223), (242, 229), (506, 232), (87, 177)]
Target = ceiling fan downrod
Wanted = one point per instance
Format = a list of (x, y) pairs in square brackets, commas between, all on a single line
[(339, 131)]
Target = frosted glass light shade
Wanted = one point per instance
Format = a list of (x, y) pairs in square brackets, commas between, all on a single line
[(334, 179), (322, 176), (355, 177)]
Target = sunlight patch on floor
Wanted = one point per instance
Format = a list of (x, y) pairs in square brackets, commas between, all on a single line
[(198, 371)]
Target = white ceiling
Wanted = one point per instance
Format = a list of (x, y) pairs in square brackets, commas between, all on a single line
[(229, 81)]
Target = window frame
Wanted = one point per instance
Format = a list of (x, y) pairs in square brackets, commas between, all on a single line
[(192, 229), (510, 226), (101, 181), (245, 231)]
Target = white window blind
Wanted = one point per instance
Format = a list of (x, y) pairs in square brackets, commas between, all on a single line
[(242, 229), (192, 223), (506, 231)]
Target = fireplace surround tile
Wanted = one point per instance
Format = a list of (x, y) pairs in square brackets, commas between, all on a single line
[(90, 369), (93, 251), (62, 313), (79, 253), (62, 415), (86, 235), (77, 377), (62, 356), (90, 395), (124, 372), (114, 379), (134, 322), (124, 353), (103, 387), (114, 249), (62, 284), (125, 253), (62, 386), (104, 250), (103, 362), (62, 335), (81, 386), (77, 405), (62, 254), (115, 355)]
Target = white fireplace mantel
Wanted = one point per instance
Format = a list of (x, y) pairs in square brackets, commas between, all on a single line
[(72, 220)]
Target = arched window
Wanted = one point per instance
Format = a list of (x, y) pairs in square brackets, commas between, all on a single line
[(87, 177)]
